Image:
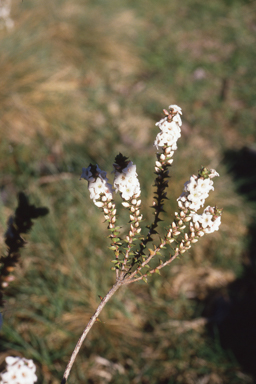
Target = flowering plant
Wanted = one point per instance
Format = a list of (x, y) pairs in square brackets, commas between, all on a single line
[(132, 256), (18, 371)]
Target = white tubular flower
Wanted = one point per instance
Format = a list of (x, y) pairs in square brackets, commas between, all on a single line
[(18, 371), (97, 184), (126, 178), (170, 129), (210, 219), (197, 189)]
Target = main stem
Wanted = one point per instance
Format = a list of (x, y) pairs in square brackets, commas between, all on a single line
[(87, 329)]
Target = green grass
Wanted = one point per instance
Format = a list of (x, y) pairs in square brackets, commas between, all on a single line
[(81, 82)]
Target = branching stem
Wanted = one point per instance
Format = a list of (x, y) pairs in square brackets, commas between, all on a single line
[(88, 327)]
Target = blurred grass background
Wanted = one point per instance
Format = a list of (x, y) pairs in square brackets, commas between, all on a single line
[(80, 82)]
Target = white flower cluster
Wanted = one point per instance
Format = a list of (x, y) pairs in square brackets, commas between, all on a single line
[(196, 190), (170, 129), (18, 371), (97, 184), (126, 182), (209, 222), (5, 10)]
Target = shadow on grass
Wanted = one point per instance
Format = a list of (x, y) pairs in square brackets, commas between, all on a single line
[(233, 314)]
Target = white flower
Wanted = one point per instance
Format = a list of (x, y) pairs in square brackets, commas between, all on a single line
[(206, 220), (196, 190), (126, 182), (97, 184), (169, 129), (175, 108), (18, 371)]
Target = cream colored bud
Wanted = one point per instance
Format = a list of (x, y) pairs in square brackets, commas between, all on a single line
[(132, 209), (138, 230), (197, 225), (158, 164), (171, 240), (137, 224), (130, 233), (106, 217), (111, 226), (182, 250), (113, 212), (103, 198), (138, 203), (113, 220), (176, 233), (109, 205), (162, 157), (170, 161), (125, 204), (134, 201), (137, 212), (180, 205), (187, 244), (186, 237), (99, 204), (194, 240), (183, 227), (181, 245), (200, 233), (157, 169), (127, 238), (167, 150), (174, 225), (182, 214), (188, 218), (180, 222), (106, 210), (140, 217), (132, 218), (154, 203)]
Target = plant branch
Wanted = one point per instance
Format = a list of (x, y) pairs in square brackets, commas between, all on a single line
[(88, 327)]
